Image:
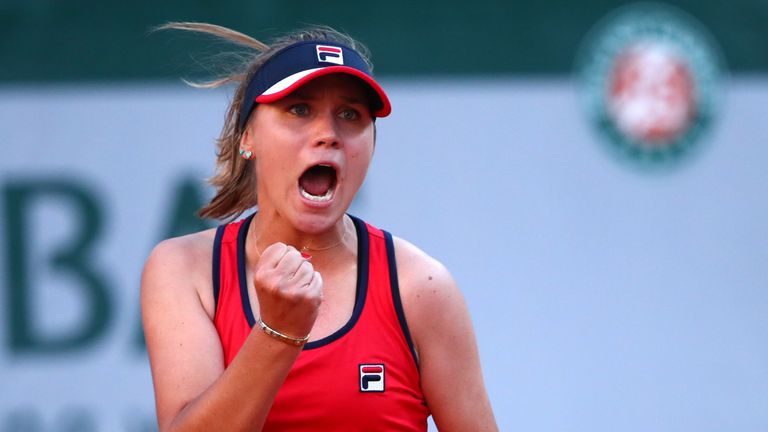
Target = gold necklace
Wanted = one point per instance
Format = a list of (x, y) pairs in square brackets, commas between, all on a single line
[(304, 249)]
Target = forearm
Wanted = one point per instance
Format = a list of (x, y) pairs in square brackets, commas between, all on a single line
[(241, 398)]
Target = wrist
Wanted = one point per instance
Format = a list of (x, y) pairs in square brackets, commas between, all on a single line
[(282, 337)]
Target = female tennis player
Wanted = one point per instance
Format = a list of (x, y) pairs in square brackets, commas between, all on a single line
[(299, 316)]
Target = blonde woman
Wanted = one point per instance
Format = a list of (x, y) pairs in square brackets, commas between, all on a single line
[(301, 317)]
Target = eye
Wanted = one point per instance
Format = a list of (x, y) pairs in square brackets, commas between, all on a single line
[(349, 114), (299, 109)]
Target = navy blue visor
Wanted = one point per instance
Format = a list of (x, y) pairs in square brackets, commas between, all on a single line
[(297, 64)]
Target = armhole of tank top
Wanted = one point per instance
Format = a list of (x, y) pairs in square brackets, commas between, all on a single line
[(396, 300), (216, 267), (245, 301)]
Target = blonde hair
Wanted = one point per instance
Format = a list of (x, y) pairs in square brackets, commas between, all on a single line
[(235, 177)]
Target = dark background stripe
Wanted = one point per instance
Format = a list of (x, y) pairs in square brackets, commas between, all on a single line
[(98, 40)]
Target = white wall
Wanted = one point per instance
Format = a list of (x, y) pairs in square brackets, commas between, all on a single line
[(604, 297)]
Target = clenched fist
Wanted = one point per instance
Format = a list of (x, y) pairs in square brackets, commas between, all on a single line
[(289, 290)]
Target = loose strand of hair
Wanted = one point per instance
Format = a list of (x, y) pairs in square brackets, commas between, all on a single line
[(212, 83), (218, 31)]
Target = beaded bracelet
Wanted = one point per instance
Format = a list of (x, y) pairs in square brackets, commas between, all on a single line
[(282, 337)]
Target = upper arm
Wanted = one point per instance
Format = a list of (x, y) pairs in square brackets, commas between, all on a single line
[(442, 332), (184, 349)]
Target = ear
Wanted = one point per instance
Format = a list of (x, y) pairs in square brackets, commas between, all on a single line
[(245, 140)]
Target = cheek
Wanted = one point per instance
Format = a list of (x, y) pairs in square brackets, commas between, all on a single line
[(271, 169), (274, 153), (364, 144), (359, 160)]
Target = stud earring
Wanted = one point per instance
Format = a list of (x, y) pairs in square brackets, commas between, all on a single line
[(246, 154)]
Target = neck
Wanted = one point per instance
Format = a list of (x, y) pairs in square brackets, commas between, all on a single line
[(334, 242)]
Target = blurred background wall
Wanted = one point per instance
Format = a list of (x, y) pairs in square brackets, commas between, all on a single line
[(593, 174)]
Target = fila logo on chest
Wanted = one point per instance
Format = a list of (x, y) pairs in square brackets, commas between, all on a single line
[(372, 378)]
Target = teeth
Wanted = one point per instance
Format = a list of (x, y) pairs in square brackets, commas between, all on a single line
[(327, 197)]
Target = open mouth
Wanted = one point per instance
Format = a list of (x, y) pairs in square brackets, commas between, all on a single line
[(318, 183)]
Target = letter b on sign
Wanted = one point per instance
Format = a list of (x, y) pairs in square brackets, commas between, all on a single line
[(75, 259)]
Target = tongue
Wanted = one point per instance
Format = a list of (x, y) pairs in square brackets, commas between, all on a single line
[(316, 181)]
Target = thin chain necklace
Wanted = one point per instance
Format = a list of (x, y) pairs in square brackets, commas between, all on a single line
[(305, 249)]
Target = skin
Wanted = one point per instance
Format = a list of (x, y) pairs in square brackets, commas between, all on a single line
[(328, 121)]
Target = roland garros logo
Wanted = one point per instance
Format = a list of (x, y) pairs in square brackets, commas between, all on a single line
[(650, 78)]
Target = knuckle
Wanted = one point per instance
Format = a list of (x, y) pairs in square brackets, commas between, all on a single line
[(274, 247), (260, 274)]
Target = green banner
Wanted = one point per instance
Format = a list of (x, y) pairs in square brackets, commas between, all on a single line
[(108, 40)]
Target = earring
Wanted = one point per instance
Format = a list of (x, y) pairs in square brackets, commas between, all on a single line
[(246, 154)]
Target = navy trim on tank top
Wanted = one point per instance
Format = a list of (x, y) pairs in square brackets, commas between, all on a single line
[(361, 290), (216, 270), (395, 285), (242, 234)]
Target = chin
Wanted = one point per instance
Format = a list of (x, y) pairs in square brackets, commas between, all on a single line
[(318, 222)]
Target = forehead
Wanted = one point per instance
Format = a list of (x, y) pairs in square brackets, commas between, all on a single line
[(338, 85)]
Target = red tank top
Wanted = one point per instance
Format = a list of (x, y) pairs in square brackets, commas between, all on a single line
[(363, 377)]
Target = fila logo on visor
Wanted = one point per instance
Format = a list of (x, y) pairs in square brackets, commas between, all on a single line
[(371, 377), (330, 54)]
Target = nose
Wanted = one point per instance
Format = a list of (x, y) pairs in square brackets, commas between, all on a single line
[(326, 131)]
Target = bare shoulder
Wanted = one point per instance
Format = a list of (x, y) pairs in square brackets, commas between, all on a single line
[(184, 250), (181, 263), (427, 289), (420, 274)]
